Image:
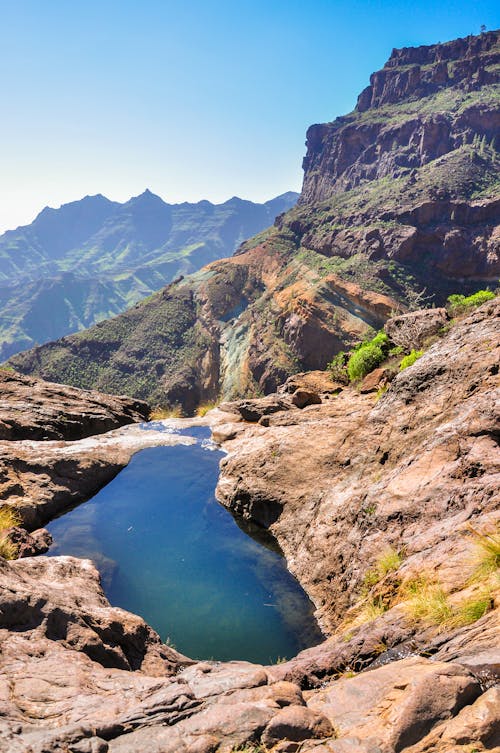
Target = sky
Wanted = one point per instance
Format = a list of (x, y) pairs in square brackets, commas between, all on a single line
[(194, 100)]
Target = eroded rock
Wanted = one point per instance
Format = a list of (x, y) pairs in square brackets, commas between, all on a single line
[(31, 408)]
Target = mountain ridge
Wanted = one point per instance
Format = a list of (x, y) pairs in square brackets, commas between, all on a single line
[(126, 251), (413, 221)]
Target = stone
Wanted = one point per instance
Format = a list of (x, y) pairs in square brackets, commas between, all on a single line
[(413, 471), (253, 410), (320, 382), (399, 703), (376, 379), (476, 723), (303, 398), (31, 408), (296, 723), (411, 330), (28, 545)]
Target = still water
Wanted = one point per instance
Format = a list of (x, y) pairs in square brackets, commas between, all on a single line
[(167, 550)]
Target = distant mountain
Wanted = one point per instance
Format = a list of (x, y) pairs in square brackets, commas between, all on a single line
[(401, 198), (91, 259)]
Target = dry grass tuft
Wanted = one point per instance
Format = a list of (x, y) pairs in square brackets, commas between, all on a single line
[(486, 555), (427, 601), (8, 518), (203, 408), (159, 414)]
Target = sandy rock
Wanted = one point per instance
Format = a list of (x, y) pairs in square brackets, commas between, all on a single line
[(315, 381), (301, 398), (31, 408), (253, 410), (296, 723), (476, 723), (396, 705), (28, 545), (412, 471), (61, 599), (375, 379)]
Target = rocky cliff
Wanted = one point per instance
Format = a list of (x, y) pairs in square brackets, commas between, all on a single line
[(399, 197), (384, 507), (425, 103)]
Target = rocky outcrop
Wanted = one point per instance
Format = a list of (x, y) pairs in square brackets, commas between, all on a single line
[(401, 121), (420, 71), (413, 329), (34, 409), (410, 471), (41, 479), (336, 483)]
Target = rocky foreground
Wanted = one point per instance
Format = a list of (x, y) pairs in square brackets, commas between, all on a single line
[(381, 503)]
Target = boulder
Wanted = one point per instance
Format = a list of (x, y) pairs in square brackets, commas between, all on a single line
[(376, 379), (296, 723), (320, 382), (253, 410), (31, 408), (26, 544), (412, 329), (302, 398)]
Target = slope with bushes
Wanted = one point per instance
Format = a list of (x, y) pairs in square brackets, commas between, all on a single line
[(400, 203), (91, 259)]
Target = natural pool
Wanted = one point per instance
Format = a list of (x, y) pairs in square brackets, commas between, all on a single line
[(167, 550)]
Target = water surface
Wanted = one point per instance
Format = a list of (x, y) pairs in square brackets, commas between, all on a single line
[(167, 550)]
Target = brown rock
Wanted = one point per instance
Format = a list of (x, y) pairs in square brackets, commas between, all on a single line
[(410, 472), (31, 408), (253, 410), (28, 545), (412, 329), (375, 379), (301, 398), (296, 723), (476, 723), (63, 596), (396, 705), (320, 382)]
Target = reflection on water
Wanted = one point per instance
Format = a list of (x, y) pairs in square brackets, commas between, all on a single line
[(169, 552)]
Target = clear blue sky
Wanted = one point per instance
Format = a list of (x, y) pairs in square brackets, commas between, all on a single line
[(200, 99)]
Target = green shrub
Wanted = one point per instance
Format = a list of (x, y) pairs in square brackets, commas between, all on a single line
[(338, 367), (461, 303), (410, 359), (364, 360)]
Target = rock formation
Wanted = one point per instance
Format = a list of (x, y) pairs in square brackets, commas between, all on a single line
[(400, 202), (35, 409), (338, 483)]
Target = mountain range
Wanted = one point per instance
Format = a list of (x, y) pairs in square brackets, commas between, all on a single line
[(400, 203), (93, 258)]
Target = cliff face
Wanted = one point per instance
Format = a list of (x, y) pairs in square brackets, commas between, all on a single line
[(399, 197), (426, 102)]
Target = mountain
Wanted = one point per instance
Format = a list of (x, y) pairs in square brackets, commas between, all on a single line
[(91, 259), (400, 202)]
